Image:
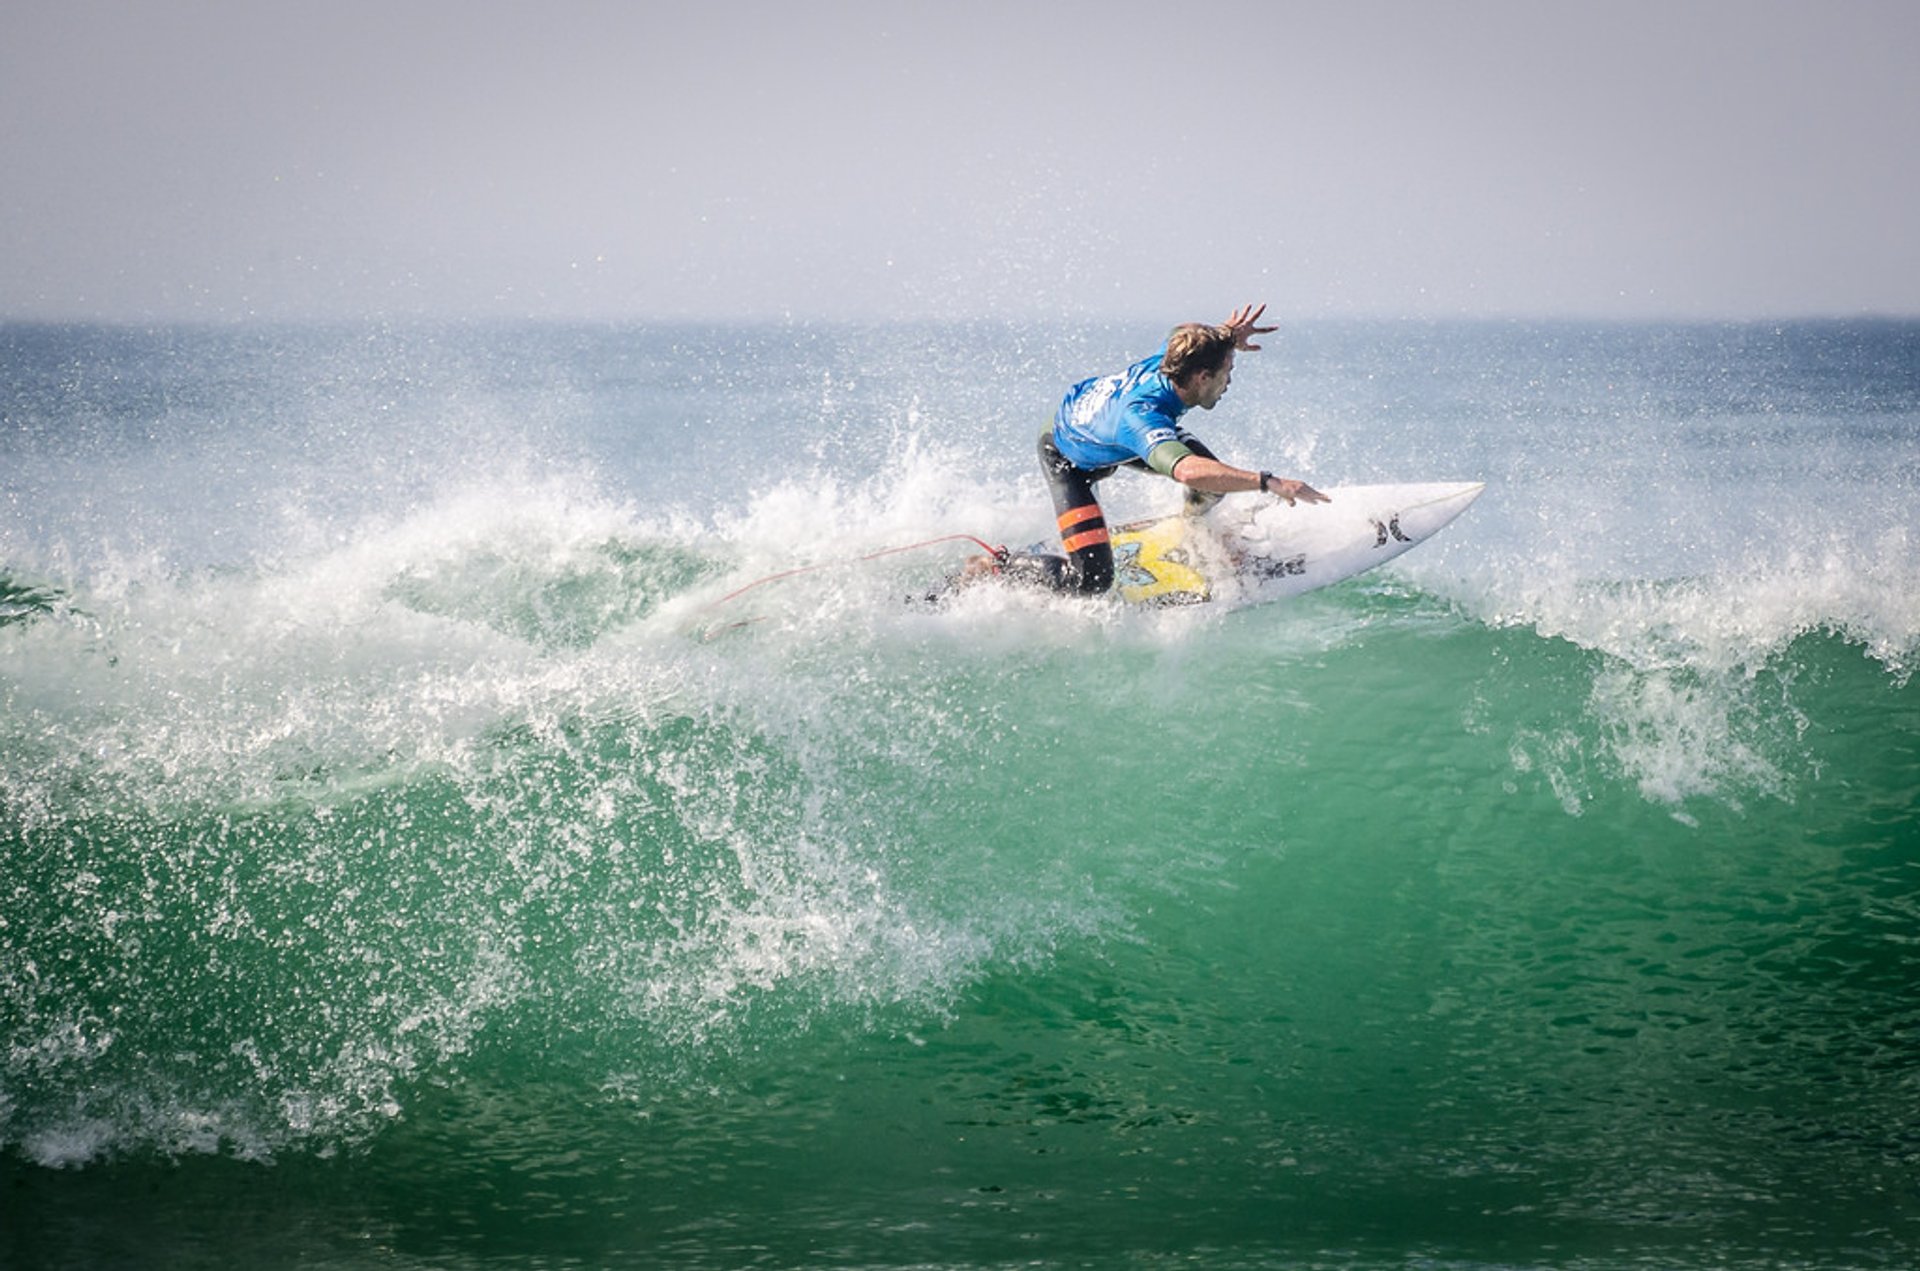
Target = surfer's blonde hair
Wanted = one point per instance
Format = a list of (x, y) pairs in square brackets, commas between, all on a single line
[(1196, 348)]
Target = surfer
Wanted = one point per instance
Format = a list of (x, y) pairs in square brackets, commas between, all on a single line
[(1132, 420)]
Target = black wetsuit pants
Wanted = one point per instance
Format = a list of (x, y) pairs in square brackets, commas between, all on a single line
[(1087, 567)]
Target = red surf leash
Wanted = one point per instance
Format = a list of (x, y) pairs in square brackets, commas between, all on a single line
[(999, 555)]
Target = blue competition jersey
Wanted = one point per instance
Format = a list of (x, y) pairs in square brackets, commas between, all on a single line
[(1113, 419)]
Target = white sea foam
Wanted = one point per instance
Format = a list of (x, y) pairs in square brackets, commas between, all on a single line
[(1687, 693), (257, 719)]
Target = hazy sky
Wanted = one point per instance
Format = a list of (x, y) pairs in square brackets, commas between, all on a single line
[(235, 158)]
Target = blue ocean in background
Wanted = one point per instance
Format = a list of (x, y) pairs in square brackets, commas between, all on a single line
[(418, 851)]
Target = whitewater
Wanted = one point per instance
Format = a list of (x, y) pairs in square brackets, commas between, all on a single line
[(425, 841)]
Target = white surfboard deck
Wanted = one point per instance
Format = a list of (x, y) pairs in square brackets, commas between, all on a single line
[(1250, 551)]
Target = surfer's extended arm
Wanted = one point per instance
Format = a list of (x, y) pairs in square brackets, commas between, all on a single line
[(1214, 477)]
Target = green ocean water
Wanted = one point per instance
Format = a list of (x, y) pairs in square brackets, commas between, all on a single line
[(440, 877)]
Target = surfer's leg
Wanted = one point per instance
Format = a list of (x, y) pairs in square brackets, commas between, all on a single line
[(1037, 569), (1088, 568)]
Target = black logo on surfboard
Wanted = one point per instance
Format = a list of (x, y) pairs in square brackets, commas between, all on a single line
[(1276, 567), (1384, 528)]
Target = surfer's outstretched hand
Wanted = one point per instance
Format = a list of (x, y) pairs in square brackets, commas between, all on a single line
[(1242, 326), (1291, 490)]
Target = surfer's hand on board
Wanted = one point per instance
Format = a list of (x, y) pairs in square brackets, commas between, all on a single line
[(1290, 490), (1242, 326)]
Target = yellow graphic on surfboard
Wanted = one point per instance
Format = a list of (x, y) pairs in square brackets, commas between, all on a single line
[(1153, 563)]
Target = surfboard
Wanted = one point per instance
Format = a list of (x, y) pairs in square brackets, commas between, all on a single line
[(1249, 552)]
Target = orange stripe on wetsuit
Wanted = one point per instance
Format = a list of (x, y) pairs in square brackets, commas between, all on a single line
[(1094, 533)]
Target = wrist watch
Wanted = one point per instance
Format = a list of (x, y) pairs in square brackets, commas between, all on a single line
[(1266, 480)]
